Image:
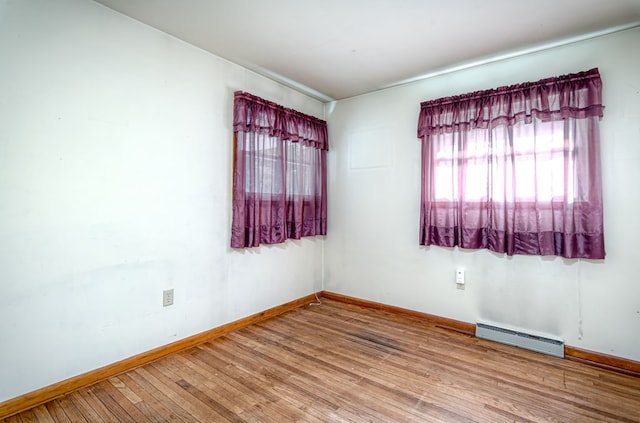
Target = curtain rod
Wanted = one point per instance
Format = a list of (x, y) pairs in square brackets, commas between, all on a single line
[(508, 89)]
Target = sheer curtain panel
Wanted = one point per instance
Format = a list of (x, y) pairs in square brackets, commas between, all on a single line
[(515, 169), (280, 173)]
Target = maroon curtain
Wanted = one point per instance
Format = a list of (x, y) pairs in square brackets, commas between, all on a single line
[(516, 169), (280, 173)]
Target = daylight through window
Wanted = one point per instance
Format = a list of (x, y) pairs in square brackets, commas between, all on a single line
[(515, 169)]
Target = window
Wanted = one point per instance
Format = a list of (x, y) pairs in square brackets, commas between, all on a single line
[(515, 169), (280, 172)]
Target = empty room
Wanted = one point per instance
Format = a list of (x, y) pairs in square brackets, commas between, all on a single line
[(319, 211)]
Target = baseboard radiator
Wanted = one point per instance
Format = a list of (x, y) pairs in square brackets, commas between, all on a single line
[(542, 344)]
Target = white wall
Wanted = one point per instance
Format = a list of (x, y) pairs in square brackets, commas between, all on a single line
[(373, 253), (115, 182)]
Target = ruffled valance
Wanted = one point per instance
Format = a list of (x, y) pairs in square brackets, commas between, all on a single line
[(254, 114), (576, 95)]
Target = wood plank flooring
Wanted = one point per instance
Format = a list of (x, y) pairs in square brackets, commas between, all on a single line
[(343, 363)]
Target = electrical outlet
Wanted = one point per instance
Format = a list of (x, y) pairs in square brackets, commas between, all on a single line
[(167, 297), (460, 278)]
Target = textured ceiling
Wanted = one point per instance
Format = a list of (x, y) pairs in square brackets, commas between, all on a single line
[(334, 49)]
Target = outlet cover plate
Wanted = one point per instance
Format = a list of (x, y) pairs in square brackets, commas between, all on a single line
[(167, 297)]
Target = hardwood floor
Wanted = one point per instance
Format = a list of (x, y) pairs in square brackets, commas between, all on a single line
[(339, 362)]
